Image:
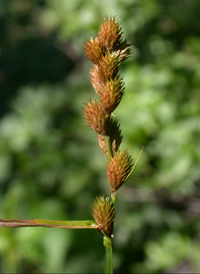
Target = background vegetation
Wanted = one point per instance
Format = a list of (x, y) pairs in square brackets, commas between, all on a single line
[(51, 166)]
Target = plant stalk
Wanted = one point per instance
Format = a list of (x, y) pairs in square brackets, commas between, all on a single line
[(86, 224), (108, 255)]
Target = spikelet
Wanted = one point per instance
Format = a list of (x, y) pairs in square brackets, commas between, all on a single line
[(118, 169), (93, 50), (96, 118), (108, 67), (111, 94), (103, 211), (110, 33)]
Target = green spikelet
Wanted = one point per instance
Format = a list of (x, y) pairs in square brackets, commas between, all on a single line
[(103, 213)]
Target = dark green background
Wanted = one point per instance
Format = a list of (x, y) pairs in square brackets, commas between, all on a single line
[(51, 166)]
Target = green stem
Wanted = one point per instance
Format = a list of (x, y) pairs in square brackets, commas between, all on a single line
[(109, 148), (86, 224), (108, 255)]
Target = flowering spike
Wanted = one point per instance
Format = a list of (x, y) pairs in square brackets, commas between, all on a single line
[(103, 211), (118, 169), (107, 51)]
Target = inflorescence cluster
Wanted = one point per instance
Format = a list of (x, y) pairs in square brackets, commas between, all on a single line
[(106, 52)]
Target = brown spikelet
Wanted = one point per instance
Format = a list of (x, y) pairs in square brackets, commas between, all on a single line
[(96, 118), (111, 94), (103, 211), (109, 66), (110, 34), (118, 169), (93, 50)]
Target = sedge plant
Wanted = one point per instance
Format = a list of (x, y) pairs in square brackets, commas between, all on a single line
[(106, 51)]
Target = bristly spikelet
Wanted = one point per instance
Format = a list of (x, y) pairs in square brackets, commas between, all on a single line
[(110, 37), (96, 118), (103, 211), (118, 169), (108, 67), (111, 94), (110, 33), (93, 50)]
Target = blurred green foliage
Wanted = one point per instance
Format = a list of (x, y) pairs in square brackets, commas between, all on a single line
[(51, 166)]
